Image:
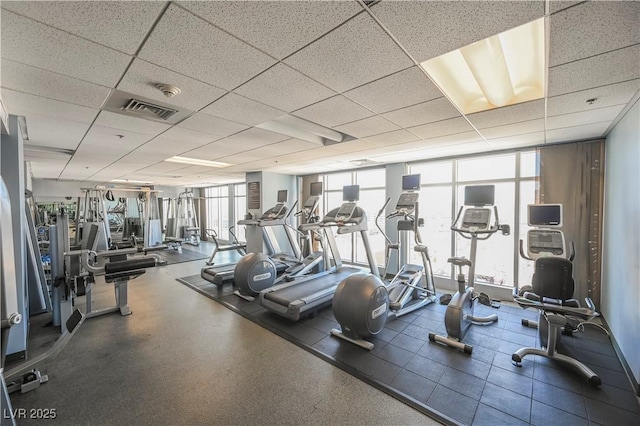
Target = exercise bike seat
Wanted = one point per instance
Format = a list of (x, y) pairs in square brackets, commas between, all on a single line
[(459, 261)]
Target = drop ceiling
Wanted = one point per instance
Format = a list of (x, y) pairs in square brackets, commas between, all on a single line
[(342, 64)]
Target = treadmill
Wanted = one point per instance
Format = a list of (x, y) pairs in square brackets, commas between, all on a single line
[(306, 295), (276, 215)]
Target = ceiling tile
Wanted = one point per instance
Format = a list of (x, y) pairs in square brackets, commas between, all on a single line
[(39, 45), (120, 25), (106, 138), (402, 89), (558, 5), (583, 132), (592, 28), (599, 115), (289, 146), (458, 149), (426, 112), (185, 43), (614, 94), (517, 141), (284, 88), (55, 132), (276, 27), (333, 112), (357, 145), (442, 128), (246, 140), (392, 138), (351, 55), (141, 78), (36, 81), (186, 139), (132, 124), (367, 127), (430, 28), (507, 115), (47, 169), (242, 110), (163, 167), (24, 104), (608, 68), (456, 139), (213, 125), (531, 126), (146, 155)]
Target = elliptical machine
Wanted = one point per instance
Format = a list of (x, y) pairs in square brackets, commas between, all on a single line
[(476, 224), (363, 304)]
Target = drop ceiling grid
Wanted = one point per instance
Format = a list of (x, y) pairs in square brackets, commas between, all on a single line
[(131, 124), (613, 94), (278, 28), (214, 126), (367, 127), (426, 112), (55, 132), (48, 84), (284, 88), (212, 56), (360, 52), (27, 104), (333, 112), (32, 43), (242, 110)]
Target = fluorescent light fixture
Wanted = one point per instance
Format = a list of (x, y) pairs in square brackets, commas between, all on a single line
[(505, 69), (129, 181), (306, 130), (198, 162)]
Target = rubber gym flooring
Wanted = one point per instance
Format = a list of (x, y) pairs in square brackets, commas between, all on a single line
[(173, 256), (452, 387)]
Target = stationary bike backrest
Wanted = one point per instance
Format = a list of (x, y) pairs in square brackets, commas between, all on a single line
[(553, 278)]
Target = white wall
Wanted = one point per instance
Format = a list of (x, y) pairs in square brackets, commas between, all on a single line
[(621, 238)]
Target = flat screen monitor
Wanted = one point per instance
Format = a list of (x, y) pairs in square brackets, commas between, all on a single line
[(545, 215), (351, 193), (316, 188), (282, 196), (479, 195), (410, 182)]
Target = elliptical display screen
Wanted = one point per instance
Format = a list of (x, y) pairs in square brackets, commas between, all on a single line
[(411, 182), (545, 215), (315, 188), (282, 196), (479, 195), (351, 193)]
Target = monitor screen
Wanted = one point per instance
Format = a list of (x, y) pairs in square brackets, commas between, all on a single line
[(479, 195), (282, 196), (410, 182), (316, 188), (547, 215), (351, 193)]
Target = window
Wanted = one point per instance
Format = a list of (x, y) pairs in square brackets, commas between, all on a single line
[(217, 206), (240, 209), (515, 178)]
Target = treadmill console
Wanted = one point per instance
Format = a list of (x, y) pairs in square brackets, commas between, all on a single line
[(311, 202), (345, 212), (476, 219), (545, 243), (275, 212), (407, 203)]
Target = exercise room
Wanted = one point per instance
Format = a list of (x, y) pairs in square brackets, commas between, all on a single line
[(320, 212)]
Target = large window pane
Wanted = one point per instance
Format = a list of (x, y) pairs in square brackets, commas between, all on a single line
[(371, 200), (370, 179), (494, 259), (529, 164), (337, 181), (438, 172), (484, 168), (334, 201), (435, 208)]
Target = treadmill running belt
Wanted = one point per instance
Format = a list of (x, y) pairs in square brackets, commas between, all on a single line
[(309, 287)]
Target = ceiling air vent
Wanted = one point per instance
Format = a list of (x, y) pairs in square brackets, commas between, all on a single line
[(135, 105), (147, 109), (363, 162)]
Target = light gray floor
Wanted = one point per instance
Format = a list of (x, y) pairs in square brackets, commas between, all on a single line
[(183, 359)]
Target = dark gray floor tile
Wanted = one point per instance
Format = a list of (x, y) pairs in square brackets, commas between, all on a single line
[(566, 378), (407, 342), (380, 369), (426, 368), (559, 398), (386, 335), (519, 338), (427, 323), (606, 414), (480, 353), (322, 324), (330, 345), (489, 416), (463, 383), (509, 380), (438, 352), (488, 330), (397, 324), (544, 415), (413, 385), (416, 332), (611, 377), (510, 402), (453, 404), (471, 366), (611, 395), (395, 355)]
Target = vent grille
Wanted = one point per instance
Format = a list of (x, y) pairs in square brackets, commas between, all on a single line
[(364, 162), (146, 109)]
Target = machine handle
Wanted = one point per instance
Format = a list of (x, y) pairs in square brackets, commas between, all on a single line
[(524, 256), (380, 213)]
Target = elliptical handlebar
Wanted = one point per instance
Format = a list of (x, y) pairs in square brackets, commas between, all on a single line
[(380, 213)]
